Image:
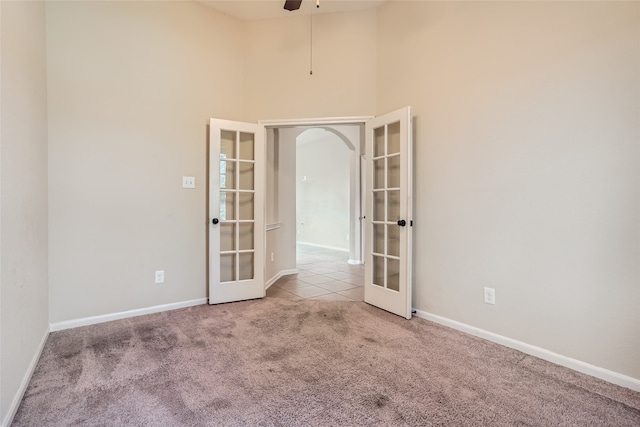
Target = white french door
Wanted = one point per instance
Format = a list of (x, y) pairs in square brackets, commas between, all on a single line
[(236, 211), (388, 276)]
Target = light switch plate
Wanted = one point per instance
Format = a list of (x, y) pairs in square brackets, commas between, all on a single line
[(188, 182)]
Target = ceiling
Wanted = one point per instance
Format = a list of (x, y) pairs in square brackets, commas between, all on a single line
[(264, 9)]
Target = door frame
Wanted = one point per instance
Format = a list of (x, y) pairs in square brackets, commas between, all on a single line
[(321, 121), (324, 122)]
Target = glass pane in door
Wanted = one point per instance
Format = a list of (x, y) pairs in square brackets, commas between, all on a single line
[(393, 274), (246, 146), (393, 172), (378, 142), (386, 206), (377, 275), (378, 173), (227, 205), (227, 267), (393, 205), (246, 236), (246, 266), (378, 238), (393, 240), (246, 176), (393, 138), (237, 203), (227, 174), (227, 237), (246, 206), (378, 206), (227, 144)]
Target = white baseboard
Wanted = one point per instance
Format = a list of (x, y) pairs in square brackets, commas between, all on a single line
[(68, 324), (333, 248), (541, 353), (355, 262), (15, 404), (280, 274)]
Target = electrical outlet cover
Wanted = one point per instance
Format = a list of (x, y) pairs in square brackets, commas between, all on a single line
[(489, 295), (160, 276)]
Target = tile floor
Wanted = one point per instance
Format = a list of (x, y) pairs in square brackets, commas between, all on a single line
[(323, 274)]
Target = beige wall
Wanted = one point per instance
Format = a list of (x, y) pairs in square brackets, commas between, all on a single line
[(281, 241), (526, 154), (24, 303), (278, 84), (132, 86)]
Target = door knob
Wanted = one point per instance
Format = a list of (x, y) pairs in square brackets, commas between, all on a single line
[(402, 223), (215, 220)]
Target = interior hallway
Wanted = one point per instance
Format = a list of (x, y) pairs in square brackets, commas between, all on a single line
[(323, 274)]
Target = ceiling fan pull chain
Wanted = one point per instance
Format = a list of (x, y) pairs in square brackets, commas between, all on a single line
[(311, 42)]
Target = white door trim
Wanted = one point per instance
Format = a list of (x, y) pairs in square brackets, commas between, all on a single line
[(320, 121)]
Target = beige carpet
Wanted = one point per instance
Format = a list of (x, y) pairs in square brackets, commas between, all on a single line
[(276, 362)]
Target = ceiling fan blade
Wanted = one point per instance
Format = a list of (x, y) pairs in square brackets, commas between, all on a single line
[(292, 4)]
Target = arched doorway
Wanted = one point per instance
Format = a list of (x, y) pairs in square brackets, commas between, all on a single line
[(322, 190)]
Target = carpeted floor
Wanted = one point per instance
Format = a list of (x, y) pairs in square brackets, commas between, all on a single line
[(276, 362)]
